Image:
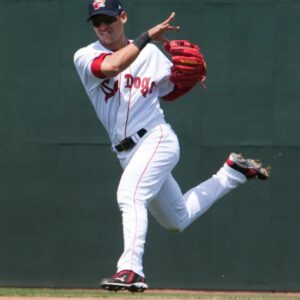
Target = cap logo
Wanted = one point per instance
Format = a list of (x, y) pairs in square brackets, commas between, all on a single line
[(98, 4)]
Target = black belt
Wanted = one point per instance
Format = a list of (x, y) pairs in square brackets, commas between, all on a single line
[(128, 143)]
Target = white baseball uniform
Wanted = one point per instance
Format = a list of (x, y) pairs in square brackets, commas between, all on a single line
[(124, 105)]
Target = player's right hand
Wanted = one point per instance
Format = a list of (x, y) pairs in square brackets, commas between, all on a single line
[(156, 32)]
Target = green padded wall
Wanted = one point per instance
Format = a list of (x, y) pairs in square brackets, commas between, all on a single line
[(59, 220)]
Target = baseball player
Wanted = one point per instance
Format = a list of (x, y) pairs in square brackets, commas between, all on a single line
[(125, 80)]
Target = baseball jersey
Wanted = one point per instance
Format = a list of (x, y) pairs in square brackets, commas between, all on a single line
[(130, 101)]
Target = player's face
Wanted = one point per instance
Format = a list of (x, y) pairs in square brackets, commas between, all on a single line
[(110, 29)]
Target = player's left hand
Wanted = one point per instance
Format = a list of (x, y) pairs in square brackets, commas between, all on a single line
[(189, 65), (156, 32)]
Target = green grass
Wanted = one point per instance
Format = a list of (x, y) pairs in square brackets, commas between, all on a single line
[(73, 293)]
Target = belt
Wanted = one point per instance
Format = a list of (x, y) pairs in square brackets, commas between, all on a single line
[(129, 142)]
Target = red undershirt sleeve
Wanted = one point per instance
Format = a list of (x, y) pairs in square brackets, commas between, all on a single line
[(96, 65), (177, 92)]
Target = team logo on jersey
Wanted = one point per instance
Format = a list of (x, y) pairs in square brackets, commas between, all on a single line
[(98, 4), (143, 84), (109, 90)]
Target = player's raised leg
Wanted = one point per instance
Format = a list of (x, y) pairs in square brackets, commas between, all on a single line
[(175, 211)]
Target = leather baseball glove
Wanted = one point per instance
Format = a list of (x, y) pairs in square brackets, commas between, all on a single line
[(188, 63)]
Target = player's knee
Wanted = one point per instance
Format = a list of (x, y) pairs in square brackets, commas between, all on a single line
[(174, 227), (175, 230)]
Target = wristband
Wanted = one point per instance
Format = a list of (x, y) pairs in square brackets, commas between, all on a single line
[(142, 40)]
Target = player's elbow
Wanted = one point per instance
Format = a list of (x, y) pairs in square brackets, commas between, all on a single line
[(111, 70)]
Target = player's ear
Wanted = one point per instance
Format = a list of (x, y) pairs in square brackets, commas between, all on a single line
[(123, 17)]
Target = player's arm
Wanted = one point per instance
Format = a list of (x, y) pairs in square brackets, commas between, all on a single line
[(120, 60)]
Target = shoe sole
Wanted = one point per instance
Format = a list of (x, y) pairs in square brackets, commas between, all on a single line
[(137, 287), (244, 164)]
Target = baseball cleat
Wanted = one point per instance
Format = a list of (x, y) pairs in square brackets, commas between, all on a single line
[(125, 280), (251, 168)]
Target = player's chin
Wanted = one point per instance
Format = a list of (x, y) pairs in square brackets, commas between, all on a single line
[(103, 35), (105, 38)]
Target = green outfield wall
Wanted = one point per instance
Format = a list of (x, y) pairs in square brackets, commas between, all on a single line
[(59, 221)]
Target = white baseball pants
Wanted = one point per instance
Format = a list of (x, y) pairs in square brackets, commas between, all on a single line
[(147, 184)]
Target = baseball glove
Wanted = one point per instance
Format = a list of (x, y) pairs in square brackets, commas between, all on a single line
[(188, 63)]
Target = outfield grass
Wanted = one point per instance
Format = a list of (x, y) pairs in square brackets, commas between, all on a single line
[(99, 294)]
